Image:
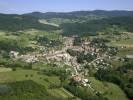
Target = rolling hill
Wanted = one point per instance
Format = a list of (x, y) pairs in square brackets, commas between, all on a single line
[(77, 14), (22, 22), (102, 25)]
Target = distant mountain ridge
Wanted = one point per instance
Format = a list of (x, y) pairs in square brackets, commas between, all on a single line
[(122, 19), (76, 14)]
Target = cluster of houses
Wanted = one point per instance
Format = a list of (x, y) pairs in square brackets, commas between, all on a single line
[(80, 80), (27, 58)]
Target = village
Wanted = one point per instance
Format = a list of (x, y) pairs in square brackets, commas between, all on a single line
[(58, 57)]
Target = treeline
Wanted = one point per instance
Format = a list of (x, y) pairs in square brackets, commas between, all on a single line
[(19, 44), (12, 44), (21, 22), (102, 25)]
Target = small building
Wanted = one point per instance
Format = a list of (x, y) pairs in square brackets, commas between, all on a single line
[(77, 78), (14, 54)]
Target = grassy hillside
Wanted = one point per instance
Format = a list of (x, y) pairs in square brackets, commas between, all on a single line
[(109, 90), (24, 90), (43, 80)]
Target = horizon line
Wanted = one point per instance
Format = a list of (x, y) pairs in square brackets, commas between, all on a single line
[(64, 11)]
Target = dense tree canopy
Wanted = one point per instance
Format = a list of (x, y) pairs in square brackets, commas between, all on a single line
[(93, 26), (19, 22), (120, 76)]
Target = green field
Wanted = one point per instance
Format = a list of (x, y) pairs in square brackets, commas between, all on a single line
[(123, 42), (125, 51), (20, 75), (60, 92)]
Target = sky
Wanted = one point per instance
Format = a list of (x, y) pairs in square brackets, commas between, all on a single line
[(26, 6)]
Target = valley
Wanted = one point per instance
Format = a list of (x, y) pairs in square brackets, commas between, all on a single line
[(63, 56)]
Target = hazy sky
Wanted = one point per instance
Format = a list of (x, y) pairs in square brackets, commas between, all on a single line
[(24, 6)]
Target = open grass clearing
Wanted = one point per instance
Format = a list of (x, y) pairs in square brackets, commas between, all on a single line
[(20, 75), (125, 51), (128, 41), (43, 21), (3, 69)]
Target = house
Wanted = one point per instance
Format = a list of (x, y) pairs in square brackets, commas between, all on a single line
[(77, 78), (85, 82), (80, 80), (14, 54)]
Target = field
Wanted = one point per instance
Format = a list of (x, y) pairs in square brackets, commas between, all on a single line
[(61, 92), (3, 69), (59, 21), (45, 22), (127, 43), (125, 51)]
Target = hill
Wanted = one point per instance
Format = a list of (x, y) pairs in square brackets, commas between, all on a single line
[(109, 25), (77, 14), (21, 22), (24, 90)]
